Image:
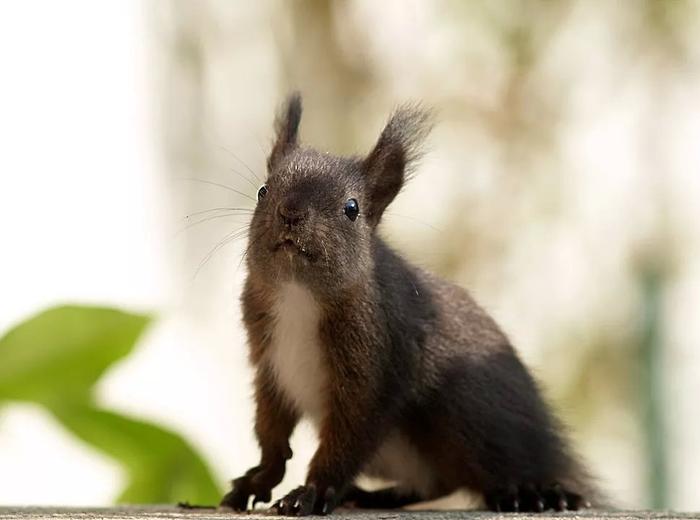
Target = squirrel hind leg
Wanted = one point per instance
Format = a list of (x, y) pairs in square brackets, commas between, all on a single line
[(387, 498)]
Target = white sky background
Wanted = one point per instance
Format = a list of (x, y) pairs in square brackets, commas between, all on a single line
[(86, 215), (80, 205)]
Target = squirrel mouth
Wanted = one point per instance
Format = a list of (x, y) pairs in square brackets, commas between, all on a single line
[(292, 247)]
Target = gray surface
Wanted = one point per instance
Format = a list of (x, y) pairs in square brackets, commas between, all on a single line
[(141, 513)]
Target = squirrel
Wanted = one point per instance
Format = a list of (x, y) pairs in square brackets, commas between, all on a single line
[(403, 375)]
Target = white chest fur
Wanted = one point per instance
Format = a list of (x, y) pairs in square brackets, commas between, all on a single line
[(296, 358), (295, 353)]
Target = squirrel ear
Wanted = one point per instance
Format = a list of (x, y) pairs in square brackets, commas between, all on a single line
[(286, 129), (389, 163)]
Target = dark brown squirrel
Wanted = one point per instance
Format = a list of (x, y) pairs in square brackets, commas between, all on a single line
[(404, 376)]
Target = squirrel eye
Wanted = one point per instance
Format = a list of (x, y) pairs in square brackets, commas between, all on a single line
[(352, 209), (262, 191)]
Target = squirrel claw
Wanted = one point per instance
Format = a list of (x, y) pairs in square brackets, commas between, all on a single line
[(532, 499), (305, 500), (298, 502)]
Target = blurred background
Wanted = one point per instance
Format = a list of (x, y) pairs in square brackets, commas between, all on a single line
[(561, 187)]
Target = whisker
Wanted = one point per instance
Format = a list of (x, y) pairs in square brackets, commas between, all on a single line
[(207, 219), (243, 211), (392, 214), (260, 145), (227, 239), (224, 186), (202, 212), (241, 162), (244, 177), (250, 244)]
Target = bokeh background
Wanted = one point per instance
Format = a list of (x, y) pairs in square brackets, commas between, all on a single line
[(561, 186)]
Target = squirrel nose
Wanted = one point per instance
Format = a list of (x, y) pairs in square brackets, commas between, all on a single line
[(291, 214)]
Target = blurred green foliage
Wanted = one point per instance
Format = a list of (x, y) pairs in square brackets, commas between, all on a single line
[(55, 359)]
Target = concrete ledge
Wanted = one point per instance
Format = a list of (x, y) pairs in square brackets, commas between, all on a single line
[(166, 512)]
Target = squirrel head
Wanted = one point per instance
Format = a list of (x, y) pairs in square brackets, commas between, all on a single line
[(317, 213)]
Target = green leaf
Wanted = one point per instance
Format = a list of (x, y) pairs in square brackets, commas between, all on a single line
[(55, 359), (162, 467), (58, 355)]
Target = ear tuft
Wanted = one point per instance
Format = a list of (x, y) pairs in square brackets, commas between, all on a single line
[(390, 162), (286, 129)]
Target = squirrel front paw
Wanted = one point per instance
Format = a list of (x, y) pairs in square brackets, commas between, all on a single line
[(257, 483), (306, 500)]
